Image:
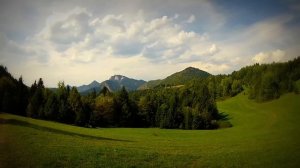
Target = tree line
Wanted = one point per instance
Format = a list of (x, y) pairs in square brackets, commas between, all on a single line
[(192, 106), (263, 82)]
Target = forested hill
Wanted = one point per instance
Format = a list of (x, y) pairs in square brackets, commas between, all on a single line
[(178, 78), (191, 106), (116, 82), (269, 81), (14, 93)]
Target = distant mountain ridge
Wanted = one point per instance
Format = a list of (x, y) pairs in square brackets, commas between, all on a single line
[(178, 78), (84, 88), (114, 83)]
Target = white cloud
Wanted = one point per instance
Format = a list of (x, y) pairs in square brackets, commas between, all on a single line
[(213, 49), (191, 19), (82, 37), (71, 29), (92, 42), (176, 16), (271, 56), (79, 43), (260, 39)]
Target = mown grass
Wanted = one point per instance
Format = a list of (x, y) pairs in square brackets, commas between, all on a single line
[(263, 135)]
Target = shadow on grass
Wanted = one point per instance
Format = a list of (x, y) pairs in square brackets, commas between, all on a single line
[(53, 130)]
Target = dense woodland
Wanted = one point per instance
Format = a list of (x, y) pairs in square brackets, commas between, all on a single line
[(188, 106)]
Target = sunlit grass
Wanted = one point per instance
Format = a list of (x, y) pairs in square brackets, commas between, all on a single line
[(263, 135)]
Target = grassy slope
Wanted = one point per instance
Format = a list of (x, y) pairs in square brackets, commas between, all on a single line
[(263, 135)]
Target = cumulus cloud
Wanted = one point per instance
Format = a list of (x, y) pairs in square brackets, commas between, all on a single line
[(12, 51), (82, 37), (271, 39), (191, 19), (271, 56), (213, 49), (72, 28), (79, 41), (99, 39)]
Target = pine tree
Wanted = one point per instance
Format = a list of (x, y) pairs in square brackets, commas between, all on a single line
[(51, 107), (35, 107), (75, 102), (65, 113)]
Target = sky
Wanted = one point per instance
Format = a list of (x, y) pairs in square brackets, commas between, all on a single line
[(80, 41)]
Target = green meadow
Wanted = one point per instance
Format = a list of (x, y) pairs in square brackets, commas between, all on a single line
[(263, 135)]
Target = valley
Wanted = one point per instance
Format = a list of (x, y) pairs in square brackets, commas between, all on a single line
[(263, 135)]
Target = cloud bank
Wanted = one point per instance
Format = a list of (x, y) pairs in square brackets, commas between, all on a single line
[(78, 43)]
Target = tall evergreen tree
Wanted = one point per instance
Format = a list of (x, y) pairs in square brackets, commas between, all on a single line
[(23, 96), (51, 107), (76, 105), (65, 113), (35, 107)]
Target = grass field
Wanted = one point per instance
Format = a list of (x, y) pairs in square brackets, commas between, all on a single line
[(263, 135)]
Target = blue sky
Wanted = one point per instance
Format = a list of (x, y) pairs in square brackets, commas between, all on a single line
[(81, 41)]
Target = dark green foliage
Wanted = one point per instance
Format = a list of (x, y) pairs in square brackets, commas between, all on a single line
[(296, 86), (178, 78), (226, 86), (150, 84), (105, 91), (76, 106), (125, 109), (88, 103), (188, 106), (203, 108), (236, 87), (51, 107), (269, 81), (188, 117), (22, 97), (7, 91), (147, 110), (13, 93), (269, 87), (115, 110), (192, 106), (163, 117), (184, 76), (103, 113), (35, 107)]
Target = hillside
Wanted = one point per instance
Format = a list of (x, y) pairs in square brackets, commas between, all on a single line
[(263, 135), (150, 84), (178, 78), (116, 82), (13, 93)]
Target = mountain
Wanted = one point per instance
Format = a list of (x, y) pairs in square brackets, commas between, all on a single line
[(150, 84), (114, 83), (90, 86), (178, 78)]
